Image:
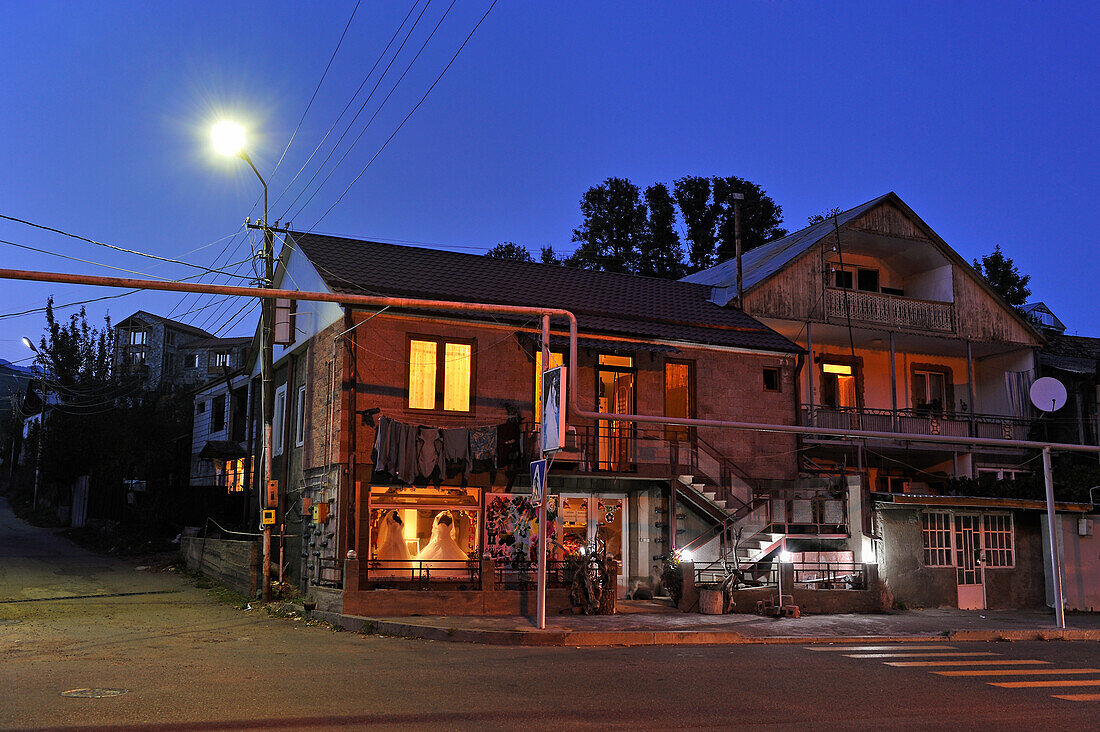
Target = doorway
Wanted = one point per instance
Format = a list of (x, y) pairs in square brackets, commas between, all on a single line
[(615, 439), (970, 561), (584, 518)]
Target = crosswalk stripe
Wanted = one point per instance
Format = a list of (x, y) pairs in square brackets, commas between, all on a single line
[(906, 647), (950, 654), (1018, 672), (1003, 662), (1049, 682), (1078, 697)]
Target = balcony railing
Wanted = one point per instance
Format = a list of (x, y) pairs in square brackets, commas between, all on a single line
[(621, 447), (890, 310), (918, 422)]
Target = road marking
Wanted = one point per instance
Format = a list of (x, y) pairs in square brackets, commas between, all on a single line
[(1050, 682), (1018, 671), (1008, 662), (1078, 697), (950, 654), (903, 647)]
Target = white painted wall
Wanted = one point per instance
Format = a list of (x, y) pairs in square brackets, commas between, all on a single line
[(934, 284)]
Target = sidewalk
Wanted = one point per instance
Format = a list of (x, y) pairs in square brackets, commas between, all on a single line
[(675, 628)]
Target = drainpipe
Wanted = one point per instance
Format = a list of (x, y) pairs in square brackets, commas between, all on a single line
[(893, 385)]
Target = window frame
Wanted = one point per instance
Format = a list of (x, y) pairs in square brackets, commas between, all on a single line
[(278, 422), (300, 417), (778, 379), (679, 432), (441, 343), (139, 337), (1006, 549), (939, 554), (191, 361), (997, 553), (222, 358), (218, 414)]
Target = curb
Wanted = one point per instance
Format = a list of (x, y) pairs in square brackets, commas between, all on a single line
[(586, 638)]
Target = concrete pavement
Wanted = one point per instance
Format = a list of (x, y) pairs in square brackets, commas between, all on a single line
[(674, 628)]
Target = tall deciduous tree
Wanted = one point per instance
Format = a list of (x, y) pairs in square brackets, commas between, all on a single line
[(699, 214), (610, 236), (1003, 276), (661, 254), (510, 250)]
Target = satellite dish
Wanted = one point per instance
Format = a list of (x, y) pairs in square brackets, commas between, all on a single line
[(1048, 394)]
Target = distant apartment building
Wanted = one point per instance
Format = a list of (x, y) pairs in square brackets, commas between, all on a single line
[(166, 352)]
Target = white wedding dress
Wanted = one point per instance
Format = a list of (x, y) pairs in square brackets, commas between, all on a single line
[(443, 551), (392, 549)]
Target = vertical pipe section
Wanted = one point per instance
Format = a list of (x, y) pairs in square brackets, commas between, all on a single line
[(810, 372), (540, 601), (1052, 534), (893, 385)]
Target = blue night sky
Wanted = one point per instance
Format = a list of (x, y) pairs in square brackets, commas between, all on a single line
[(981, 116)]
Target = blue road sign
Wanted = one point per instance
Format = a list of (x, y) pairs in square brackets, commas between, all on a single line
[(538, 479)]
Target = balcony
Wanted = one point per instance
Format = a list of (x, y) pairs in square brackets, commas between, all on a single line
[(917, 422), (890, 310)]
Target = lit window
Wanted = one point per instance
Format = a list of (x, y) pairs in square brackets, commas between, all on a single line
[(678, 398), (936, 539), (234, 475), (221, 359), (137, 337), (429, 358), (836, 368)]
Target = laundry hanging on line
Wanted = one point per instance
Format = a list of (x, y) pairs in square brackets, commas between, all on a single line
[(412, 454)]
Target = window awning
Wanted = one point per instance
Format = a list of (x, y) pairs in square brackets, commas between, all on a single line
[(222, 450)]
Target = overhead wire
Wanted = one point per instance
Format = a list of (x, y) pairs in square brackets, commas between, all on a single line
[(410, 114), (108, 246), (348, 105), (362, 106)]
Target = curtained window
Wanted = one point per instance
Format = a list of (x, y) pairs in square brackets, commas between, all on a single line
[(431, 358)]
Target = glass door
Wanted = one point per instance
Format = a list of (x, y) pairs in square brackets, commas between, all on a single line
[(584, 518), (615, 383)]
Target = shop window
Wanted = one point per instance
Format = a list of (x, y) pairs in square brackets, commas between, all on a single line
[(217, 414), (936, 539), (679, 397), (277, 423), (556, 359), (423, 533), (430, 357), (771, 379), (997, 540)]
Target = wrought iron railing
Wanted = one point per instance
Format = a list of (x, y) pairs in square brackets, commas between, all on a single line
[(423, 574), (830, 576), (890, 310), (920, 421)]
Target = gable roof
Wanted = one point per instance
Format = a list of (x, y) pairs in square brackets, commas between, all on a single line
[(765, 260), (1036, 311), (160, 319), (604, 302)]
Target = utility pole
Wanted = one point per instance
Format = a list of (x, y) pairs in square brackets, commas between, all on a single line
[(737, 199)]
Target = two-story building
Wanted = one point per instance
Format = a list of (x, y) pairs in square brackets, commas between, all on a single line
[(904, 337), (402, 437)]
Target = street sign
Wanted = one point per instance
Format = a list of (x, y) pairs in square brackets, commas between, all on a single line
[(538, 480)]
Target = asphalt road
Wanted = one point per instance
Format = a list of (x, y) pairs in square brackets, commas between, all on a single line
[(187, 662)]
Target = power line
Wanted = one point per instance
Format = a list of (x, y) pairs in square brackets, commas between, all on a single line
[(360, 111), (78, 259), (108, 246), (346, 106), (410, 114), (317, 88)]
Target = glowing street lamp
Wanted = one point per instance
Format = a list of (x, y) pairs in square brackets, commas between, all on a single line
[(229, 140)]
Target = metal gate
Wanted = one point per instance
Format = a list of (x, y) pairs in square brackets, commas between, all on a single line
[(969, 563)]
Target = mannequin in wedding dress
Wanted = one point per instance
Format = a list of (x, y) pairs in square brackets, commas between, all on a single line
[(443, 544), (391, 542)]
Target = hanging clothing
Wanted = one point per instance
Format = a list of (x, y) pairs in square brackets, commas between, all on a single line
[(483, 448), (456, 451), (429, 441), (381, 454), (405, 463)]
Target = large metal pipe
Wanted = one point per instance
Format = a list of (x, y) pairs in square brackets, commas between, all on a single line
[(534, 312)]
